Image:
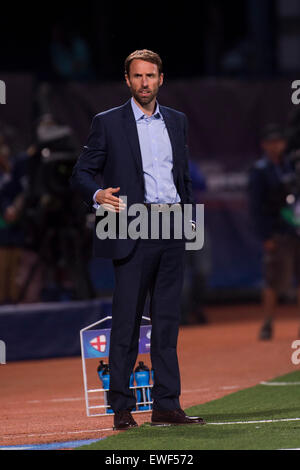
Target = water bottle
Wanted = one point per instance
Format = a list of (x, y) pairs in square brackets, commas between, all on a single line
[(131, 380), (105, 376), (100, 369), (150, 389), (142, 379)]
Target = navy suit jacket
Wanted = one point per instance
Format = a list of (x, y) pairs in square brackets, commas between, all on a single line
[(113, 152)]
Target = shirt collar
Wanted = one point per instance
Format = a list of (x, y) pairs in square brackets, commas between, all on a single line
[(138, 113)]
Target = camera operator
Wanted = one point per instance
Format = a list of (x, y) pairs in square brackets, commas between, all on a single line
[(271, 198), (53, 227), (56, 228)]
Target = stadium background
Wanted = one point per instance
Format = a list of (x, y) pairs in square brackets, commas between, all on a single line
[(229, 66)]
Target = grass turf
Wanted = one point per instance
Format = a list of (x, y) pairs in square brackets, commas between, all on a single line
[(262, 402)]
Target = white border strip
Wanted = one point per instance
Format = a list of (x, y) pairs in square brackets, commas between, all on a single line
[(258, 421), (278, 384)]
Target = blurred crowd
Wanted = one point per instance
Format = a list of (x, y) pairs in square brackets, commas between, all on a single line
[(43, 245)]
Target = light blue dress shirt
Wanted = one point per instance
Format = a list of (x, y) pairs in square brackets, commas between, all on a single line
[(157, 157)]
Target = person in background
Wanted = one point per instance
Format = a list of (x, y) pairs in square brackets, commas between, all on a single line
[(268, 196)]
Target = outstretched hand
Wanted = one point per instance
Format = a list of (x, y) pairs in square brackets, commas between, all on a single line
[(110, 202)]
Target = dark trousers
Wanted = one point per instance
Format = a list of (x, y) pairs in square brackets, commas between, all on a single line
[(155, 267)]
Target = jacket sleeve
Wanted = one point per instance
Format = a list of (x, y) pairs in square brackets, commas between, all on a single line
[(187, 176), (90, 163)]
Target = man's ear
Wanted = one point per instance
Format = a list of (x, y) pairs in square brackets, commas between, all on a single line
[(161, 79), (127, 80)]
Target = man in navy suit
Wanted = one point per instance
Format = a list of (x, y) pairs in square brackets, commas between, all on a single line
[(140, 151)]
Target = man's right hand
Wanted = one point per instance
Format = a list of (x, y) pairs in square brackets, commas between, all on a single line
[(108, 201)]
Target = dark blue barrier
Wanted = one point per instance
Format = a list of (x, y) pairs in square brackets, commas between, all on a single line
[(39, 331)]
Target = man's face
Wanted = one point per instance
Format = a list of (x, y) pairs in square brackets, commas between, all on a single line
[(144, 81), (274, 149)]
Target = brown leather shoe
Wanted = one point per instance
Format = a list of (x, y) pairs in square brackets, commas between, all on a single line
[(175, 417), (123, 420)]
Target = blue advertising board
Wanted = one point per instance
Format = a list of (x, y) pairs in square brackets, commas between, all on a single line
[(96, 342)]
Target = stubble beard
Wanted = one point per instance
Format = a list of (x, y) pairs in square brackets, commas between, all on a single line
[(144, 100)]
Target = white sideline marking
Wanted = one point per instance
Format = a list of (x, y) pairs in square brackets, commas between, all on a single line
[(70, 399), (85, 431), (259, 421), (275, 384), (56, 400), (296, 448)]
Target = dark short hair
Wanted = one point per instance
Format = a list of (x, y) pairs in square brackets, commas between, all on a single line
[(143, 54)]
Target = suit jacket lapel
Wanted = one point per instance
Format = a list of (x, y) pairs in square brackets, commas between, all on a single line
[(173, 131), (132, 136)]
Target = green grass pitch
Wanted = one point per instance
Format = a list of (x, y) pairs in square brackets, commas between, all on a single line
[(263, 417)]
